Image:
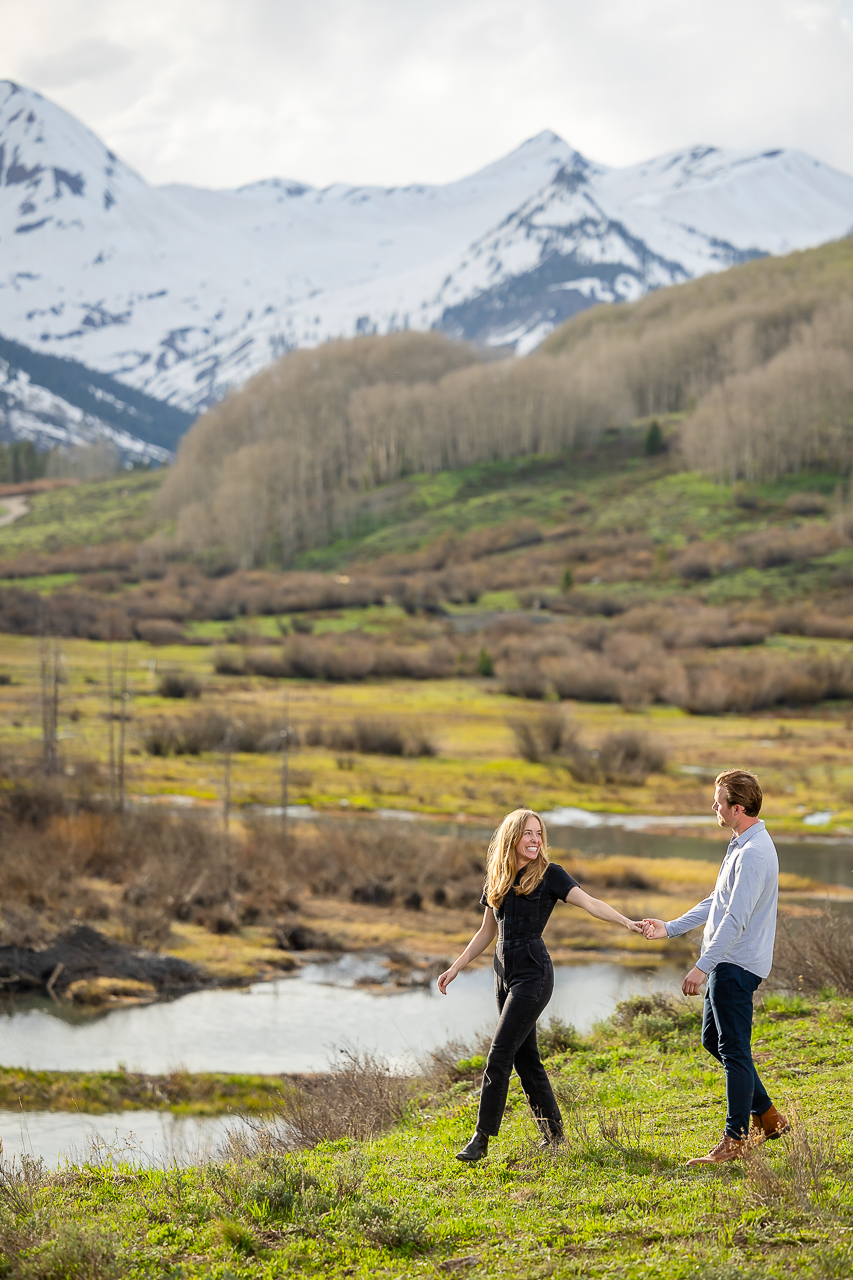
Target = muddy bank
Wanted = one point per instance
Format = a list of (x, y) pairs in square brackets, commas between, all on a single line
[(84, 965)]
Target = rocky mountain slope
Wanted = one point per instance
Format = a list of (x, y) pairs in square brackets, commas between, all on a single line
[(182, 292)]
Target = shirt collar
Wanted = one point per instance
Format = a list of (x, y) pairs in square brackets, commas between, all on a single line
[(737, 841)]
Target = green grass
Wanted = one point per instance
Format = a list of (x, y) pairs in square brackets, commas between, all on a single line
[(627, 493), (97, 1092), (616, 1201), (44, 583), (83, 515)]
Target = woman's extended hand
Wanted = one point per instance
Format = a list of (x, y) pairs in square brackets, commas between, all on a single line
[(634, 926), (444, 979)]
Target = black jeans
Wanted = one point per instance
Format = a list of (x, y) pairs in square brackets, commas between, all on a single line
[(524, 983), (726, 1033)]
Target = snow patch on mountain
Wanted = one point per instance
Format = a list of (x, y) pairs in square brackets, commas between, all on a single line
[(31, 412)]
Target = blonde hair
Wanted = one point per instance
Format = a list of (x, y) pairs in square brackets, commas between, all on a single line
[(501, 867)]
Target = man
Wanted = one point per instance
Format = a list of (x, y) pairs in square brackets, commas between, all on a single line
[(737, 953)]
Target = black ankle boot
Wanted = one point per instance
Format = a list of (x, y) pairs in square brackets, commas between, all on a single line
[(476, 1148), (551, 1137)]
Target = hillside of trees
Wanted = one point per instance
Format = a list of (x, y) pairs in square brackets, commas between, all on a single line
[(756, 364)]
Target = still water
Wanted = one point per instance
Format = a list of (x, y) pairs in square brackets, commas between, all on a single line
[(828, 859), (138, 1137), (296, 1023), (300, 1022)]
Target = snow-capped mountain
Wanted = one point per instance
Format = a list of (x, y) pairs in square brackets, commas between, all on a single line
[(183, 292), (29, 411), (60, 402)]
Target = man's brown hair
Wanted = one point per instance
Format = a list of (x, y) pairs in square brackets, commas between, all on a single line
[(741, 788)]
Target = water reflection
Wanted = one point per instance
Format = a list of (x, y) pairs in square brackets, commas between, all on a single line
[(135, 1137), (295, 1023)]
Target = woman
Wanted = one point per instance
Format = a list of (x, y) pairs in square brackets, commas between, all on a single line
[(522, 888)]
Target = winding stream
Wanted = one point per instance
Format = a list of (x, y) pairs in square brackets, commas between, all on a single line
[(299, 1022)]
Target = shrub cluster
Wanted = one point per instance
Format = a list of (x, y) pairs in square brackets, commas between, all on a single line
[(372, 736), (211, 730), (351, 656), (627, 757)]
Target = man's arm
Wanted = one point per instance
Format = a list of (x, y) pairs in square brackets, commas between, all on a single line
[(750, 878), (691, 919)]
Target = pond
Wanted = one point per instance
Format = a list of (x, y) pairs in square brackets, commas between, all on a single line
[(297, 1023), (138, 1137), (828, 859)]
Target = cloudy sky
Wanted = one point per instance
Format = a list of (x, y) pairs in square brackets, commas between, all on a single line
[(222, 92)]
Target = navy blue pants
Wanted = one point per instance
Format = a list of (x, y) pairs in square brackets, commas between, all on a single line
[(727, 1034), (524, 983)]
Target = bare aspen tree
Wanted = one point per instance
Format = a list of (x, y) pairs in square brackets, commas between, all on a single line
[(288, 740), (123, 701), (758, 361), (111, 725), (227, 750)]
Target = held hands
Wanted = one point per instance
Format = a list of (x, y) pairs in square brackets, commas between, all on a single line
[(652, 930)]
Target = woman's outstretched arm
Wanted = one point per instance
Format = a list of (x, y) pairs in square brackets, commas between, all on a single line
[(486, 933), (601, 910)]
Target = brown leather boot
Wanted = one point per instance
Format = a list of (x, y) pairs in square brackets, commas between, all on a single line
[(772, 1124), (726, 1149)]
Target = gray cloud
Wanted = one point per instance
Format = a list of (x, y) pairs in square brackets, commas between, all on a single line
[(82, 61), (221, 92)]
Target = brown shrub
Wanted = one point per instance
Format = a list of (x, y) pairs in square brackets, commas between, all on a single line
[(754, 681), (372, 736), (768, 548), (211, 730), (806, 504), (523, 680), (160, 631), (804, 620), (359, 1099), (630, 757), (385, 862), (178, 684), (814, 952), (350, 657), (583, 676), (542, 736)]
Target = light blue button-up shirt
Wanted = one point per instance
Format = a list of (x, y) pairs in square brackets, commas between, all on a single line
[(740, 915)]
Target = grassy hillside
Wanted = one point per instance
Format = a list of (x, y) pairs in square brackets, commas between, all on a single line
[(776, 292), (84, 515), (759, 359), (640, 1097)]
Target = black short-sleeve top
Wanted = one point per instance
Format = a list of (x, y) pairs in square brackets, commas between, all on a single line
[(522, 916)]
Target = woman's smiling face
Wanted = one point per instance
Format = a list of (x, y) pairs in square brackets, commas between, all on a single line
[(529, 847)]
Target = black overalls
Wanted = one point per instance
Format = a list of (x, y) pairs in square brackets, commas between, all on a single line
[(524, 982)]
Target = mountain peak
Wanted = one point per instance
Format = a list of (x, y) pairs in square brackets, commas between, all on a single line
[(183, 292)]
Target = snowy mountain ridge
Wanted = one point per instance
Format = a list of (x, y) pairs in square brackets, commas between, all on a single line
[(183, 292)]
